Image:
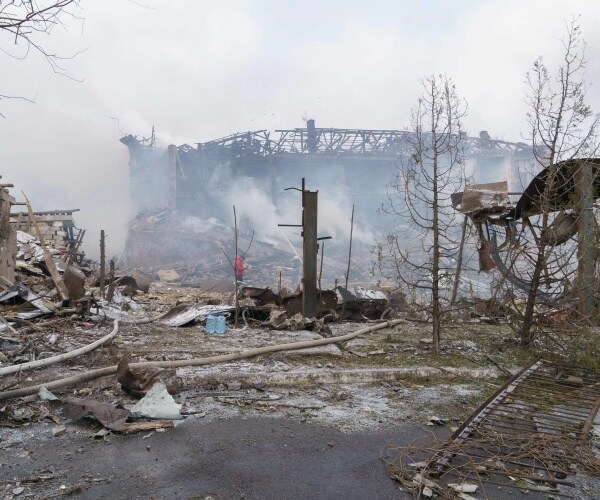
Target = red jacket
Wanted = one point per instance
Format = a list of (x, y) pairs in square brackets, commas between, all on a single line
[(238, 266)]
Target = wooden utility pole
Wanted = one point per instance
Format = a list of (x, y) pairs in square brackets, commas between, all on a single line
[(310, 252), (235, 262), (585, 249), (310, 249)]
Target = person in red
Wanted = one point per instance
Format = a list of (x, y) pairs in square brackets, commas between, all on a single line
[(238, 269)]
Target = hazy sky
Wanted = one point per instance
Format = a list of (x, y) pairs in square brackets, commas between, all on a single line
[(198, 70)]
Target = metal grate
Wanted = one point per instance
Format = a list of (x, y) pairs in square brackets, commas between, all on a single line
[(546, 397), (530, 435)]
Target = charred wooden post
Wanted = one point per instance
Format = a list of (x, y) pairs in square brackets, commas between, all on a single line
[(310, 250)]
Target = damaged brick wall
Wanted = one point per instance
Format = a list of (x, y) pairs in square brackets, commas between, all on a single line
[(57, 226), (8, 237)]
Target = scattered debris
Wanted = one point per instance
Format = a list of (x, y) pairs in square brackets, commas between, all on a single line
[(436, 421), (53, 310), (184, 314), (157, 403), (59, 431), (139, 385), (110, 417)]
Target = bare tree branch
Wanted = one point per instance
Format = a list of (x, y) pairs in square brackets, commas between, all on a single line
[(25, 22)]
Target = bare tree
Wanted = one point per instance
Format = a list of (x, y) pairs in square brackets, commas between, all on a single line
[(24, 23), (420, 251), (563, 128)]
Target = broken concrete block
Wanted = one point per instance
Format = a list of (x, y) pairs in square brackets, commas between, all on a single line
[(74, 280)]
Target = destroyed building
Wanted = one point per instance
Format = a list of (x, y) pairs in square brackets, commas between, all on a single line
[(25, 236), (56, 226), (170, 185)]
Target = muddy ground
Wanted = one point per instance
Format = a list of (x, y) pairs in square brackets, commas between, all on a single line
[(337, 406)]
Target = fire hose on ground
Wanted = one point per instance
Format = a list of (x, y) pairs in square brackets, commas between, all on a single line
[(78, 352), (111, 370)]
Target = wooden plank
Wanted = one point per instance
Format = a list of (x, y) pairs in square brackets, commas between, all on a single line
[(47, 257)]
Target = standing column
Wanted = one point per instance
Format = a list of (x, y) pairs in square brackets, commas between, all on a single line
[(310, 251), (585, 250)]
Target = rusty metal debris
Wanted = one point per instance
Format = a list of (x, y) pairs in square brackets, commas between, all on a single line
[(556, 193), (113, 418)]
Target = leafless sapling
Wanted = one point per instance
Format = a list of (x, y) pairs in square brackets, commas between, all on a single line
[(420, 251)]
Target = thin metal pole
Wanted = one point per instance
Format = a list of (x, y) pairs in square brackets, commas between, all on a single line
[(237, 306), (349, 259), (102, 264), (321, 274)]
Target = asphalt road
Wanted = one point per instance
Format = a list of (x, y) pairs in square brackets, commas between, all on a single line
[(254, 458)]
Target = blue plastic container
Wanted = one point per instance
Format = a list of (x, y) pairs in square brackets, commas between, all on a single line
[(220, 324), (210, 326)]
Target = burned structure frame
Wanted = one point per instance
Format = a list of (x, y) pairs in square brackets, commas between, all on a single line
[(184, 180)]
